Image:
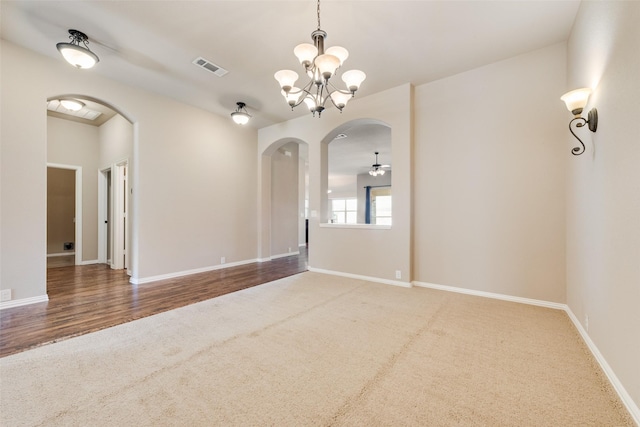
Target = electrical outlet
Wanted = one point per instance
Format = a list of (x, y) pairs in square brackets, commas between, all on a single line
[(398, 274), (586, 322), (223, 260), (289, 249), (5, 295)]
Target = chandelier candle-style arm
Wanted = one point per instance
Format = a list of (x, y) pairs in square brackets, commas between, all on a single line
[(320, 66)]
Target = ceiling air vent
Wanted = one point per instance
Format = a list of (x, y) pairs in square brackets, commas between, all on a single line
[(210, 66)]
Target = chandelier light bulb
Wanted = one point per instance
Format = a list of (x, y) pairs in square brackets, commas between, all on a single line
[(286, 78), (305, 53), (293, 96), (311, 103), (340, 98), (339, 52), (327, 65), (353, 79)]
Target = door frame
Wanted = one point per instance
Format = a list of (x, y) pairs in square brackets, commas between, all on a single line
[(119, 187), (78, 209), (119, 198), (103, 214)]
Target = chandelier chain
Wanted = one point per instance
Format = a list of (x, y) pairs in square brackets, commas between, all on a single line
[(318, 11)]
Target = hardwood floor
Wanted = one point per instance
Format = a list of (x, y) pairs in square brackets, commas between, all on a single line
[(88, 298)]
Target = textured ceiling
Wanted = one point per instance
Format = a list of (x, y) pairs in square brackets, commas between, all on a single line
[(151, 44)]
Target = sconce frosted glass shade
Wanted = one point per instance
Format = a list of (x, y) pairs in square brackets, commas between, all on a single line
[(339, 52), (77, 56), (353, 79), (286, 78), (576, 100), (305, 53)]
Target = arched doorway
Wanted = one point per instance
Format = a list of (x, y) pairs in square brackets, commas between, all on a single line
[(284, 199), (95, 139)]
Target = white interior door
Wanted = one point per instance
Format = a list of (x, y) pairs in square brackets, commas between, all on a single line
[(120, 207)]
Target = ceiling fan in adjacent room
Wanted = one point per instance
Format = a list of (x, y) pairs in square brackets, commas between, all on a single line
[(377, 168)]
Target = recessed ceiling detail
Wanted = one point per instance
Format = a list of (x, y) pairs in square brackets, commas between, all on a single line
[(83, 113), (210, 66)]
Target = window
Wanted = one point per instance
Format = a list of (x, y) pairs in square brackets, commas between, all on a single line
[(381, 206), (344, 211)]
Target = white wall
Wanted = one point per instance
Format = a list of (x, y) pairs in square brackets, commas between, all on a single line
[(603, 187), (116, 141), (490, 153), (72, 143), (364, 252), (194, 175), (284, 200), (303, 184)]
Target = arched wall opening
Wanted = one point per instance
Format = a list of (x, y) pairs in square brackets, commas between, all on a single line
[(103, 153), (382, 254), (284, 196), (349, 157)]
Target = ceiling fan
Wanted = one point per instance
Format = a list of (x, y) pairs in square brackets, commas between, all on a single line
[(376, 168)]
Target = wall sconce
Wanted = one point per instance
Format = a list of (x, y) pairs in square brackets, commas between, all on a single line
[(576, 101), (241, 116)]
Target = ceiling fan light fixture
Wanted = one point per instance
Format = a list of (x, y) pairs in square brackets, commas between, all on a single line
[(72, 104), (241, 116), (75, 54), (376, 168)]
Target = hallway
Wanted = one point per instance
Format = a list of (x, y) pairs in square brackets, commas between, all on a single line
[(85, 299)]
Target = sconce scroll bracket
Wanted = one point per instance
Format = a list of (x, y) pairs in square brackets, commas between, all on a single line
[(591, 122)]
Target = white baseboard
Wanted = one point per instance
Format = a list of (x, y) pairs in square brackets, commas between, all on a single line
[(89, 262), (285, 255), (23, 301), (530, 301), (613, 379), (611, 376), (263, 259), (139, 281), (60, 254), (360, 277)]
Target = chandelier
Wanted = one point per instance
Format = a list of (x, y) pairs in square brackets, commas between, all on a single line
[(320, 66)]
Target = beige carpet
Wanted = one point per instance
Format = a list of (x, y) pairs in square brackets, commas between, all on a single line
[(318, 350)]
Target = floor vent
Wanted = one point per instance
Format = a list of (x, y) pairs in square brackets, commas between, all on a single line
[(210, 66)]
